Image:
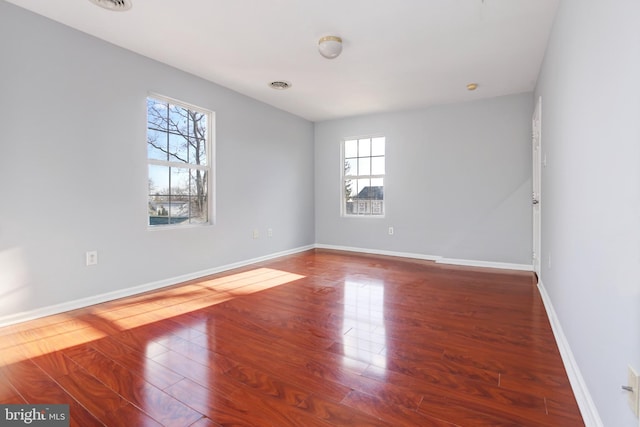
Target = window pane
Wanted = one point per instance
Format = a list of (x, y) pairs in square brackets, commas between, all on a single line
[(363, 185), (364, 166), (364, 147), (198, 199), (156, 145), (363, 207), (350, 188), (158, 210), (377, 207), (197, 151), (378, 185), (158, 180), (350, 167), (377, 146), (178, 119), (377, 196), (180, 182), (180, 189), (351, 148), (377, 166), (156, 114), (197, 125), (177, 148), (159, 198)]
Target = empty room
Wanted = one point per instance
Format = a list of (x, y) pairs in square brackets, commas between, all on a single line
[(320, 213)]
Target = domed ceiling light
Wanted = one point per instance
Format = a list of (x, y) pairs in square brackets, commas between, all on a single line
[(330, 46)]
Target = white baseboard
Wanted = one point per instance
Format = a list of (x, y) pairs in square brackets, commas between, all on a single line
[(123, 293), (436, 258), (377, 252), (583, 397), (486, 264)]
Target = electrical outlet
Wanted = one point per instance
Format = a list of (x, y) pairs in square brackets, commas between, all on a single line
[(256, 234), (91, 258), (390, 231), (269, 232), (634, 396)]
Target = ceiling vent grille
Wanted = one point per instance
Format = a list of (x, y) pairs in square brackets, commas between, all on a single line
[(280, 85), (116, 5)]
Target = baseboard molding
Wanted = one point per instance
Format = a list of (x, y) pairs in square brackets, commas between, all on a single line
[(123, 293), (377, 252), (486, 264), (436, 258), (583, 397)]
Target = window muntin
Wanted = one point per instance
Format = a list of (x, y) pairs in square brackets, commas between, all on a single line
[(179, 163), (363, 176)]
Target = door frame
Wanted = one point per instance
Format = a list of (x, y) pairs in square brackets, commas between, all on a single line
[(536, 205)]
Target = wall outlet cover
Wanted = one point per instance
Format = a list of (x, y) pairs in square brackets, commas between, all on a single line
[(91, 258)]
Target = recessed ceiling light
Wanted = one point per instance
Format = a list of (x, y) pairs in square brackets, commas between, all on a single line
[(280, 85), (115, 5), (472, 86)]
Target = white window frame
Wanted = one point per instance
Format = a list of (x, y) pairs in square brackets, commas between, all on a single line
[(361, 205), (209, 167)]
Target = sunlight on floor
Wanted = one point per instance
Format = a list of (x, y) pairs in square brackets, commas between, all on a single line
[(54, 333)]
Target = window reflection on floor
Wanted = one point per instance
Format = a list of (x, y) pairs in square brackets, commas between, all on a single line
[(363, 323)]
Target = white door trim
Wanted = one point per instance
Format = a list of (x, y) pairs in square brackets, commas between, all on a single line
[(536, 207)]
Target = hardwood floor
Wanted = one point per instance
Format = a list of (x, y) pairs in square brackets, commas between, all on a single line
[(319, 338)]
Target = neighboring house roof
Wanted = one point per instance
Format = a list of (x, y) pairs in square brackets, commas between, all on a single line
[(373, 192)]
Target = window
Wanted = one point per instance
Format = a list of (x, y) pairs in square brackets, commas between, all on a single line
[(363, 176), (179, 159)]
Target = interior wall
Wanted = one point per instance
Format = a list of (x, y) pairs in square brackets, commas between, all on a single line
[(591, 192), (458, 181), (74, 174)]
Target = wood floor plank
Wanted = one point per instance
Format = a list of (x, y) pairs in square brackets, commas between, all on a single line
[(205, 422), (92, 394), (396, 415), (134, 388), (36, 387), (136, 361), (318, 338), (129, 415)]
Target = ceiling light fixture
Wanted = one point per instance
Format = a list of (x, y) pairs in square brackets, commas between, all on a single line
[(115, 5), (472, 86), (330, 46), (279, 85)]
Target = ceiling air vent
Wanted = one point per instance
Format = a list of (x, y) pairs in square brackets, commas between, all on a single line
[(280, 85), (116, 5)]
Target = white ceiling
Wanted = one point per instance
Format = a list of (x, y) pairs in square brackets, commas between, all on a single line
[(397, 55)]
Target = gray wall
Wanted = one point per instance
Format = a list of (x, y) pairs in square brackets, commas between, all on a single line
[(458, 181), (591, 191), (74, 176)]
